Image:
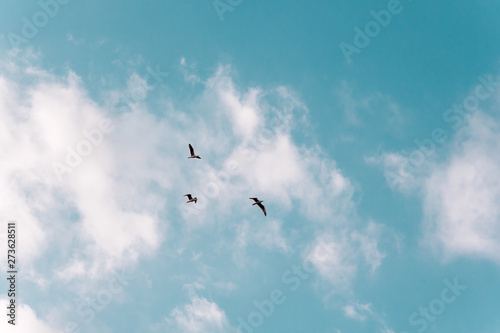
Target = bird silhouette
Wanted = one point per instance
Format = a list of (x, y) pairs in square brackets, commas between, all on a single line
[(190, 198), (191, 150), (259, 203)]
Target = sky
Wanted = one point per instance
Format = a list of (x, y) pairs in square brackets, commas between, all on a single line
[(370, 129)]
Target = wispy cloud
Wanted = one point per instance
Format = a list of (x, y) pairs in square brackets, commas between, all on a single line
[(198, 316), (364, 105), (348, 250)]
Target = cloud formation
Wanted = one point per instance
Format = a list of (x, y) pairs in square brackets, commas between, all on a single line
[(198, 316), (103, 188), (462, 195)]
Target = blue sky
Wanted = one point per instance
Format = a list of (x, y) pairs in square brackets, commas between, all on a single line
[(382, 198)]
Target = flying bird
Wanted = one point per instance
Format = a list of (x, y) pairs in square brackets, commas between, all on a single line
[(259, 203), (192, 153), (191, 199)]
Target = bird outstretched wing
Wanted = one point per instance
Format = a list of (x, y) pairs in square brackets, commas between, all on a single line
[(191, 150), (263, 208), (189, 196)]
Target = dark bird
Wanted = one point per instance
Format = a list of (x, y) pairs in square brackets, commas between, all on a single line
[(191, 199), (259, 203), (192, 153)]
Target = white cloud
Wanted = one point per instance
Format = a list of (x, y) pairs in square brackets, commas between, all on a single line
[(70, 38), (267, 235), (462, 195), (198, 316), (270, 236), (350, 104), (187, 71), (346, 251), (368, 244), (339, 266), (243, 109), (386, 330), (357, 311), (395, 168), (40, 121), (356, 105), (364, 312)]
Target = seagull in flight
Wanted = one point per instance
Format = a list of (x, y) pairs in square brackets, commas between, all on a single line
[(259, 203), (190, 198), (192, 153)]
